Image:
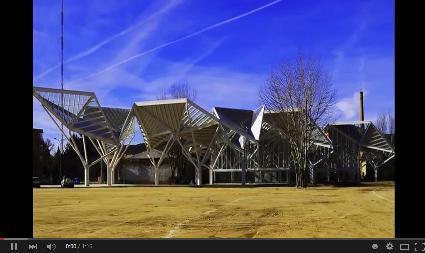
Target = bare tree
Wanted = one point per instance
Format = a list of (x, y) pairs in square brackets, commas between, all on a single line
[(182, 90), (385, 123), (300, 94), (391, 123), (162, 95), (381, 122)]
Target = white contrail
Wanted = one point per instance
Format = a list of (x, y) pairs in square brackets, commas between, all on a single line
[(89, 51), (109, 39), (178, 40)]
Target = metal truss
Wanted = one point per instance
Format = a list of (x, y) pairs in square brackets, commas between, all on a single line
[(254, 145), (238, 141), (226, 140), (359, 141), (346, 153), (165, 123), (110, 130)]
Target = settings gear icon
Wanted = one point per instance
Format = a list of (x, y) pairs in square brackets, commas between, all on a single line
[(390, 246)]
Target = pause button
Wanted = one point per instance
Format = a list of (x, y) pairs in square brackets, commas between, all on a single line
[(14, 246)]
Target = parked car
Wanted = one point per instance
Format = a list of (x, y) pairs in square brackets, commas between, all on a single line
[(67, 183), (35, 182)]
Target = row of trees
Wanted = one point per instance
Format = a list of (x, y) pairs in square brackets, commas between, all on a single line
[(56, 164), (180, 89)]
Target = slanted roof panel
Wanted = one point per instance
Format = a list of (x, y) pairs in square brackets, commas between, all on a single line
[(80, 113), (373, 139), (238, 119), (116, 116), (203, 136), (158, 119), (195, 117), (257, 122), (162, 102), (351, 131), (53, 99), (162, 117)]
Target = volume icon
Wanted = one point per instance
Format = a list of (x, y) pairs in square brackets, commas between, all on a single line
[(51, 246)]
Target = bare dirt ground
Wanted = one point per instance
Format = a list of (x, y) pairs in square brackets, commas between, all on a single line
[(212, 212)]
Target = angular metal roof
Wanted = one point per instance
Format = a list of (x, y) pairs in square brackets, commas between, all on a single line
[(373, 139), (82, 113), (115, 116), (250, 124), (349, 130), (368, 137), (239, 120), (272, 118), (160, 118), (240, 117), (320, 138)]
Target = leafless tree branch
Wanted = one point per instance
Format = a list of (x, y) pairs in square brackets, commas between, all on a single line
[(300, 95)]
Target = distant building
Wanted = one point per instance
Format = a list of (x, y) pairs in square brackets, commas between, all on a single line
[(136, 167), (36, 144)]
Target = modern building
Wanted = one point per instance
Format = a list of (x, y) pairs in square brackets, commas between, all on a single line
[(109, 130), (185, 144)]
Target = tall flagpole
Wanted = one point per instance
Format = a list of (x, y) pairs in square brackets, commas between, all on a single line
[(60, 159)]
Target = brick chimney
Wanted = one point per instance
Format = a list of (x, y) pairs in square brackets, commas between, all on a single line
[(361, 108)]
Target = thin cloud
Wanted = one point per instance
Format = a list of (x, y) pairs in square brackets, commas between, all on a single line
[(349, 106), (208, 28), (214, 85), (120, 78), (354, 37), (99, 45)]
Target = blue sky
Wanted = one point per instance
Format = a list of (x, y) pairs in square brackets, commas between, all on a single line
[(128, 50)]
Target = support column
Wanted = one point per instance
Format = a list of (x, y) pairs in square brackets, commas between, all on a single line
[(244, 165), (108, 175), (312, 174), (328, 175), (198, 176), (86, 176), (156, 176), (211, 176), (112, 176), (376, 174)]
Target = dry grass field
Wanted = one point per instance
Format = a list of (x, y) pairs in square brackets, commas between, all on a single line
[(213, 212)]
